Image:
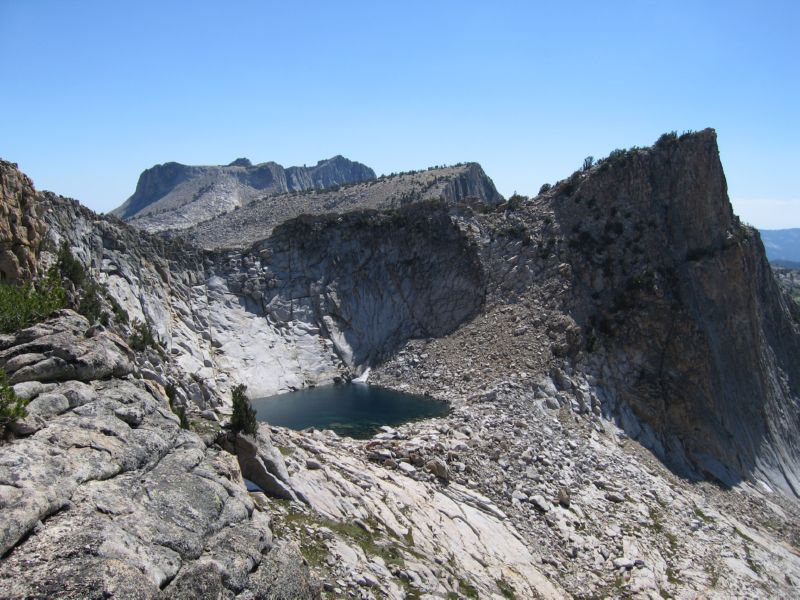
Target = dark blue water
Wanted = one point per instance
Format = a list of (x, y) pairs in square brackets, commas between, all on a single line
[(355, 410)]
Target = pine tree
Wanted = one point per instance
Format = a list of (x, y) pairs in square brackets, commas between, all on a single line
[(244, 415)]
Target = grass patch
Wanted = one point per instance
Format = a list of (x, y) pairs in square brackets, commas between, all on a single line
[(372, 543), (742, 535), (673, 540), (657, 526), (702, 516), (12, 407), (314, 553)]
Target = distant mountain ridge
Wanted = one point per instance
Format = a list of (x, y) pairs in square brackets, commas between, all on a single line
[(255, 220), (782, 245), (176, 196)]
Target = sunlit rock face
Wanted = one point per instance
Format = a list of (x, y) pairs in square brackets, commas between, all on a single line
[(20, 227), (176, 196)]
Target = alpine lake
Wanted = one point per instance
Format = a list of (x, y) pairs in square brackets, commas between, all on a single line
[(354, 410)]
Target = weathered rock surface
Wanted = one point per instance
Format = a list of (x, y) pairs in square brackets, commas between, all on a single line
[(20, 228), (64, 349), (374, 528), (97, 504), (366, 281), (176, 196)]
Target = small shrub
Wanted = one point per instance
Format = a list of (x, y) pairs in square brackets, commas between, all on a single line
[(91, 304), (12, 407), (667, 138), (545, 188), (68, 266), (181, 412), (142, 337), (516, 201), (171, 392), (588, 162), (244, 416)]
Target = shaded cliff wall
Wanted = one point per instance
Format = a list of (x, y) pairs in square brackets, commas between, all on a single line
[(699, 341), (366, 280)]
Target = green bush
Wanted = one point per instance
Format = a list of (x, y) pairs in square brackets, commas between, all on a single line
[(181, 412), (171, 392), (120, 314), (142, 337), (24, 305), (667, 138), (12, 407), (91, 304), (244, 416), (68, 266)]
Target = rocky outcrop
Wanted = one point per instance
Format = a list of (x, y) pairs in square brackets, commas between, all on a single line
[(702, 343), (64, 350), (176, 196), (20, 228), (110, 497)]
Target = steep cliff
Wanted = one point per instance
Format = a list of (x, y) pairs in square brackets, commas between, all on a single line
[(704, 344), (367, 281), (176, 196)]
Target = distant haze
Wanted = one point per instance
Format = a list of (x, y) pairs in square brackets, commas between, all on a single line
[(782, 244)]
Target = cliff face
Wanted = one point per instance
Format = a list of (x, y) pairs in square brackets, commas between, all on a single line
[(703, 344), (20, 229), (176, 196), (367, 281)]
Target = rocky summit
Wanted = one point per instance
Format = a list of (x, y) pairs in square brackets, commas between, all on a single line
[(176, 196), (621, 363)]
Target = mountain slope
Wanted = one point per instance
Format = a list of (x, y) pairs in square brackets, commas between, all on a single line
[(782, 244), (175, 196)]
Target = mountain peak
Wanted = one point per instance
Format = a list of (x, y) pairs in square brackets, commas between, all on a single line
[(176, 196)]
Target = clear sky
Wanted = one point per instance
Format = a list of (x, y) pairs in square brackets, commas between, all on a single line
[(92, 92)]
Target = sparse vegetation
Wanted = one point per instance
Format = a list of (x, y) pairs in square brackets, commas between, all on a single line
[(181, 412), (466, 588), (91, 304), (667, 138)]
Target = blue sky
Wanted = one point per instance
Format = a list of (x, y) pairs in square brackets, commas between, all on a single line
[(95, 92)]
